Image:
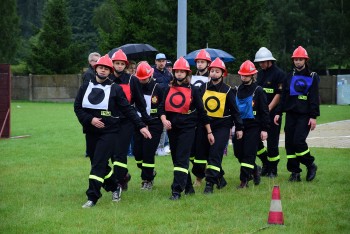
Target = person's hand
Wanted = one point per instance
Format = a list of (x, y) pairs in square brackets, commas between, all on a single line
[(146, 134), (276, 120), (166, 124), (312, 123), (239, 134), (97, 122), (263, 135), (211, 138)]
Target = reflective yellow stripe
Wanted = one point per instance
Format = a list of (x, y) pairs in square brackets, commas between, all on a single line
[(181, 169), (138, 162), (302, 97), (213, 168), (192, 158), (303, 153), (93, 177), (291, 156), (120, 164), (254, 112), (272, 159), (106, 113), (267, 90), (200, 161), (109, 174), (147, 165), (153, 111), (261, 151), (247, 165)]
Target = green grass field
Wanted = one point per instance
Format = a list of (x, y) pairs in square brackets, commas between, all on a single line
[(44, 178)]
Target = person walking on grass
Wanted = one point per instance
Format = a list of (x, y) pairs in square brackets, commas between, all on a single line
[(300, 101), (252, 104), (97, 107), (133, 92), (270, 78), (180, 110), (144, 149), (219, 102)]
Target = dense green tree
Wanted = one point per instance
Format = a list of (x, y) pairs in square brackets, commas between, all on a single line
[(52, 49), (9, 25)]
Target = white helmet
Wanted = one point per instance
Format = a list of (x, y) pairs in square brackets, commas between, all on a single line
[(263, 54)]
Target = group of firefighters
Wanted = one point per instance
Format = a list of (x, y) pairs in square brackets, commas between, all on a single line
[(200, 113)]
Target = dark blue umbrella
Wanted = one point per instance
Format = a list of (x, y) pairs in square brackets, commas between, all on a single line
[(214, 53), (136, 51)]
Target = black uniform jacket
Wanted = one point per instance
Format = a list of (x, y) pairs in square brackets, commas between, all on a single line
[(157, 92), (260, 106), (136, 93), (197, 111), (117, 104), (271, 80), (303, 104), (231, 112)]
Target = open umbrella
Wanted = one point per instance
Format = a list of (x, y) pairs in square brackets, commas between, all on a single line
[(136, 51), (214, 53)]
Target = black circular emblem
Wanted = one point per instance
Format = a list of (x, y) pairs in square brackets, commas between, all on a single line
[(182, 101), (96, 96), (198, 83), (217, 104), (300, 86)]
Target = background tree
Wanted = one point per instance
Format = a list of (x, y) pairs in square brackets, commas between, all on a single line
[(52, 49), (9, 25)]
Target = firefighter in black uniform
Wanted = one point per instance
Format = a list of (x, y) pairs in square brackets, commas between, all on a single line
[(300, 101), (97, 106), (180, 110), (219, 102), (252, 104), (145, 149), (200, 78), (270, 78), (133, 92)]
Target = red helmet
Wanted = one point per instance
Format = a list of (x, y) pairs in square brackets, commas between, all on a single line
[(247, 68), (218, 63), (119, 55), (105, 61), (203, 55), (182, 64), (144, 70), (300, 52)]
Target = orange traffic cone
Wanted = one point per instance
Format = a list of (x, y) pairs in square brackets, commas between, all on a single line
[(276, 214)]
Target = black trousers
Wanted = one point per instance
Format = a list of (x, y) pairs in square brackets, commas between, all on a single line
[(99, 149), (296, 131), (121, 147), (145, 149), (245, 151), (270, 157), (180, 140), (213, 153)]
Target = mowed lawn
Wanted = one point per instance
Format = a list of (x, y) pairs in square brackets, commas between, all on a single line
[(44, 176)]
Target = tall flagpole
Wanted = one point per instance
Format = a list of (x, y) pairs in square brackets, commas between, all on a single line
[(181, 28)]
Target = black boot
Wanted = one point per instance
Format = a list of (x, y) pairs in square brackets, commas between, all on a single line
[(175, 196), (222, 183), (264, 170), (294, 177), (244, 184), (124, 185), (311, 172), (256, 175), (209, 188)]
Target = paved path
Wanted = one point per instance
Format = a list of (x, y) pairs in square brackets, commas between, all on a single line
[(329, 135)]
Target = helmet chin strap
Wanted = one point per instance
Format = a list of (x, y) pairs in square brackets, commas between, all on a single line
[(180, 80), (101, 77), (216, 79)]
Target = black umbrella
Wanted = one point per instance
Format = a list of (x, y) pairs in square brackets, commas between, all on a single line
[(136, 51)]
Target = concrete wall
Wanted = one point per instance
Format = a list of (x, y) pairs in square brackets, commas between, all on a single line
[(63, 88), (54, 88)]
